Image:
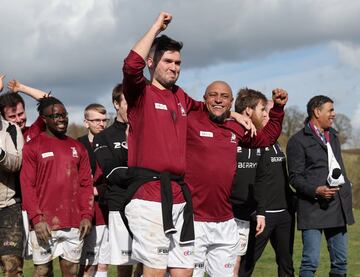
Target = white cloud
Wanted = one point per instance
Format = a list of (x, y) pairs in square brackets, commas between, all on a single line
[(349, 54)]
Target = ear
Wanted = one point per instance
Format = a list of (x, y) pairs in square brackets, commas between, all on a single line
[(86, 124), (316, 112), (204, 96), (43, 117), (150, 62), (116, 105), (249, 111)]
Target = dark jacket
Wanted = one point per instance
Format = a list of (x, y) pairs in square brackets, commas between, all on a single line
[(111, 151), (308, 168)]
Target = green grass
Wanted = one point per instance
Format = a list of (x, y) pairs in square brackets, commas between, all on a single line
[(266, 266)]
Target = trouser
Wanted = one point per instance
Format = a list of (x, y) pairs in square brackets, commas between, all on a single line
[(337, 245), (279, 229)]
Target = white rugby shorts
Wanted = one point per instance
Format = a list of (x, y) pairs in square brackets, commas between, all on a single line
[(96, 248), (243, 227), (120, 241), (216, 247), (64, 243), (150, 245)]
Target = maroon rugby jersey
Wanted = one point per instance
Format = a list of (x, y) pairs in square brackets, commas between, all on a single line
[(56, 181), (34, 130), (158, 125), (211, 160)]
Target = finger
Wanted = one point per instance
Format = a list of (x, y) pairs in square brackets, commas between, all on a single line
[(2, 77)]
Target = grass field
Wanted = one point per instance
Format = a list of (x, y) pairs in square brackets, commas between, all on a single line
[(266, 266)]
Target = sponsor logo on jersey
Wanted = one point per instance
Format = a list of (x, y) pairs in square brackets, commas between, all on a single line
[(199, 265), (163, 251), (233, 138), (182, 110), (160, 106), (119, 144), (126, 253), (74, 152), (47, 154), (247, 165), (277, 159), (206, 134), (239, 149)]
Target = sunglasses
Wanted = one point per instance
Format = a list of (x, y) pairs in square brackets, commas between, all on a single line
[(57, 115)]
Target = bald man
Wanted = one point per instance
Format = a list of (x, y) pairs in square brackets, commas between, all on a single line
[(212, 139)]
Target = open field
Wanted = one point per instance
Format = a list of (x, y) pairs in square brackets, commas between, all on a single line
[(266, 267)]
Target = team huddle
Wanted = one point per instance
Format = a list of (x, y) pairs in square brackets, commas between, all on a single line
[(174, 186)]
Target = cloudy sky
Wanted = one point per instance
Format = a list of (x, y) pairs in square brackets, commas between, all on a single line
[(76, 48)]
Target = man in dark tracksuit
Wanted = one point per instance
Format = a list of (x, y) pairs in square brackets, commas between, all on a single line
[(271, 177), (320, 208)]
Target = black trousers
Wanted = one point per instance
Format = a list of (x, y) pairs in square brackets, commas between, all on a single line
[(279, 229)]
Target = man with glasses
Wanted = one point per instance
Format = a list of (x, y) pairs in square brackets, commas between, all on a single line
[(95, 254), (57, 191)]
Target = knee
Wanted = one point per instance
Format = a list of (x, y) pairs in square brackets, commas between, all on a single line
[(12, 265), (43, 270), (102, 267)]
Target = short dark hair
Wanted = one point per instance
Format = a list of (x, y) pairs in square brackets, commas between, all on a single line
[(314, 103), (117, 92), (247, 97), (45, 102), (162, 44), (10, 99)]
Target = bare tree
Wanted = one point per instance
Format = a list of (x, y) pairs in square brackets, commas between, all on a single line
[(293, 121), (342, 124)]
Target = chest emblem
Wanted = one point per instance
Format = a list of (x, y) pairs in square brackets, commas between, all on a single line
[(74, 152)]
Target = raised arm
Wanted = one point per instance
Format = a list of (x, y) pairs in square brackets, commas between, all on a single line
[(2, 76), (16, 86), (142, 47), (272, 130)]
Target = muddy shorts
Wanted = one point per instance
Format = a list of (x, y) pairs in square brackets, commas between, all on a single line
[(11, 231)]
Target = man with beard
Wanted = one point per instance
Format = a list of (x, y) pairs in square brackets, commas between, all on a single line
[(57, 191), (212, 140)]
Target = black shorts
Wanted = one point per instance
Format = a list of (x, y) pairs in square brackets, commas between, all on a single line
[(11, 231)]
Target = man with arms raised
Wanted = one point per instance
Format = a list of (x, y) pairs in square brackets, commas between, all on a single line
[(210, 168), (157, 113)]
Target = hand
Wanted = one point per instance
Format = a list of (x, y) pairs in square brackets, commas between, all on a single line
[(42, 231), (246, 122), (326, 192), (14, 86), (2, 77), (163, 21), (84, 228), (279, 96), (260, 226)]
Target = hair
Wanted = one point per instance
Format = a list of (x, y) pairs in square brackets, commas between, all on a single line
[(316, 103), (94, 107), (162, 44), (10, 99), (45, 102), (117, 92), (248, 98)]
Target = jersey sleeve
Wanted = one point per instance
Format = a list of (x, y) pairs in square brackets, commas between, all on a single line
[(270, 133), (86, 193), (260, 183), (134, 81), (28, 171)]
